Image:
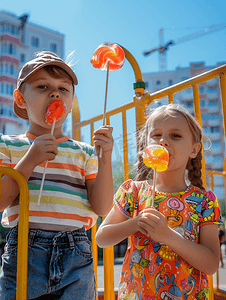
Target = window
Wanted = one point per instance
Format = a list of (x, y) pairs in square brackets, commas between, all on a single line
[(212, 90), (202, 103), (215, 129), (170, 82), (22, 58), (146, 84), (53, 48), (35, 42), (158, 82), (201, 90), (11, 89), (213, 104), (197, 66), (11, 49), (2, 88), (11, 69)]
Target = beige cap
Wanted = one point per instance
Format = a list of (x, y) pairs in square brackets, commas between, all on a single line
[(42, 59)]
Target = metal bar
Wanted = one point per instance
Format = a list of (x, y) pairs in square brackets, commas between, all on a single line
[(125, 147), (22, 252), (171, 98), (199, 120)]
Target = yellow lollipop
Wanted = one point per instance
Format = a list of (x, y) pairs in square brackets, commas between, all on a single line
[(157, 158)]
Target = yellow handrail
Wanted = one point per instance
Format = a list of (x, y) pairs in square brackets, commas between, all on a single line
[(22, 253)]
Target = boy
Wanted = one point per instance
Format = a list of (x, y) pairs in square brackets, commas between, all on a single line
[(60, 262)]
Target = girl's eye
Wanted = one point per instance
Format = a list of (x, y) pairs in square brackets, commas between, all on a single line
[(156, 135), (176, 136)]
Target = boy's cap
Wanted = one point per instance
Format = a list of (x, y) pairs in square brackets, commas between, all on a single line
[(43, 59)]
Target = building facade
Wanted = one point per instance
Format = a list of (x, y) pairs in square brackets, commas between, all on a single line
[(19, 40), (211, 110)]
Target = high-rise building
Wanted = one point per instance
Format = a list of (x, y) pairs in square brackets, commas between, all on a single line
[(211, 110), (19, 40)]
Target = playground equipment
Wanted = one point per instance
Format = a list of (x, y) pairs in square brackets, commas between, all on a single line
[(141, 101)]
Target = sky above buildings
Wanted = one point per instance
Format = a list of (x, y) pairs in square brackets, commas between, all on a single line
[(133, 24)]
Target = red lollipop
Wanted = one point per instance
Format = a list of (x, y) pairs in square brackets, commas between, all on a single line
[(111, 57), (55, 110)]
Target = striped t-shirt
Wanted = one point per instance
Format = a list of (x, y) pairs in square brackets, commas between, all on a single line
[(64, 202)]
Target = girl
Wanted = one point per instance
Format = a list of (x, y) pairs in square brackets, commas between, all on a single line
[(175, 244)]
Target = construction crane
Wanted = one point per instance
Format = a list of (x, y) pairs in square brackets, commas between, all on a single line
[(164, 47)]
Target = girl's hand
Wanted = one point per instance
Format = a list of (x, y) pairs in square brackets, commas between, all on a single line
[(42, 149), (103, 138), (153, 224)]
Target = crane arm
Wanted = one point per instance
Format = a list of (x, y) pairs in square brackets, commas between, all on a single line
[(208, 30), (200, 33)]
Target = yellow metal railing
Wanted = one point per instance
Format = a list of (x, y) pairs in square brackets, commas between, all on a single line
[(22, 254), (141, 101), (211, 174)]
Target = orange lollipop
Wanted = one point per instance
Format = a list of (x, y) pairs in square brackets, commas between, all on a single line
[(111, 57), (157, 158), (55, 110), (108, 52)]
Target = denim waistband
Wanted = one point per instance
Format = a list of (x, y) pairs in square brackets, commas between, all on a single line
[(52, 237)]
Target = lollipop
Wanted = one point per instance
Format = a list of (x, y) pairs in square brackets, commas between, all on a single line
[(157, 158), (111, 57), (55, 110), (108, 53)]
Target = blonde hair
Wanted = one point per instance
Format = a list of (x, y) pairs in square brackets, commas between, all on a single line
[(194, 165)]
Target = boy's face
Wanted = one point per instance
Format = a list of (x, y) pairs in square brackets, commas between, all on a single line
[(40, 89)]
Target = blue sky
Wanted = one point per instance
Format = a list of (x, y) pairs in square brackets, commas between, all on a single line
[(135, 25)]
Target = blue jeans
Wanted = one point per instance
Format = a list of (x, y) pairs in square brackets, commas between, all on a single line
[(60, 266)]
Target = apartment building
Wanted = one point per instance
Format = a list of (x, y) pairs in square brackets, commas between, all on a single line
[(19, 40), (211, 110)]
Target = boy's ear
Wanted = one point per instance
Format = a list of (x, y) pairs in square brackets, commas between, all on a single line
[(19, 99), (195, 150)]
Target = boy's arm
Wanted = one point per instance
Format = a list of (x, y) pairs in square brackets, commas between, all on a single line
[(203, 256), (101, 189), (43, 148)]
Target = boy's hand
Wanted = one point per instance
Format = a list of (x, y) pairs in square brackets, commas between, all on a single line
[(103, 138), (42, 149), (153, 224)]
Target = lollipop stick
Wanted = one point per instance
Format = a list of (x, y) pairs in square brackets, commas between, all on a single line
[(44, 173), (153, 189), (105, 101)]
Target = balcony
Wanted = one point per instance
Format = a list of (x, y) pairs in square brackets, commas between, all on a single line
[(10, 59), (9, 38), (8, 79)]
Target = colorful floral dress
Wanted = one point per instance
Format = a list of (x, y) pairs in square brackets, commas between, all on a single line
[(152, 271)]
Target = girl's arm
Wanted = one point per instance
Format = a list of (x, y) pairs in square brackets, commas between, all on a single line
[(115, 228), (204, 256)]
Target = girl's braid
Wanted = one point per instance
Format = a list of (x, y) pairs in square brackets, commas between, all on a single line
[(194, 167)]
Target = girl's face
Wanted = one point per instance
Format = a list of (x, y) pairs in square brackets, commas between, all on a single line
[(173, 133)]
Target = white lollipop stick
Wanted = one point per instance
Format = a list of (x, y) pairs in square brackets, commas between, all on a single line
[(153, 189), (44, 173), (105, 102)]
